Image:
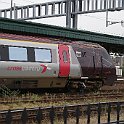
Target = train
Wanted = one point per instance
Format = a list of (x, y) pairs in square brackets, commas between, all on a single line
[(36, 65)]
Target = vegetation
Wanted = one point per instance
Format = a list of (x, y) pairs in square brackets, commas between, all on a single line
[(34, 100), (6, 92), (35, 97), (53, 101)]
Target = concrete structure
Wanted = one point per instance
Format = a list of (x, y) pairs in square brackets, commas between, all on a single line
[(110, 42)]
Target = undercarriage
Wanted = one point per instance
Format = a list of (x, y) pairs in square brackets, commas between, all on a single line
[(82, 86)]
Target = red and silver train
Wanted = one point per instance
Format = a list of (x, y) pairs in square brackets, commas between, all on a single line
[(26, 64)]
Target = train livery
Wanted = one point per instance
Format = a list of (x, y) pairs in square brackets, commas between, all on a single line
[(26, 64)]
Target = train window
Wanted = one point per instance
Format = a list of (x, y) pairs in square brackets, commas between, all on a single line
[(65, 57), (17, 53), (43, 55)]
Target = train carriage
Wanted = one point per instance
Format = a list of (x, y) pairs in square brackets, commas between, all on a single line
[(26, 64)]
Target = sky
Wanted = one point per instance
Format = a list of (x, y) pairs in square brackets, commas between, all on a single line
[(95, 22)]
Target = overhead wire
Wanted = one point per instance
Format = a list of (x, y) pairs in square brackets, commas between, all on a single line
[(102, 18)]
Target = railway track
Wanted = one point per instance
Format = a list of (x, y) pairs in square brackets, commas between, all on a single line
[(107, 92), (31, 115), (118, 86), (60, 98)]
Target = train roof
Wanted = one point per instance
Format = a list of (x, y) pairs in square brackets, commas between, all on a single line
[(25, 43), (82, 44), (35, 40)]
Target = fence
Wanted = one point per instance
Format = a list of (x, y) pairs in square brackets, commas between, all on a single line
[(76, 114)]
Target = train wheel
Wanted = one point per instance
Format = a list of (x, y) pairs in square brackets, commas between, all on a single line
[(81, 87), (69, 86)]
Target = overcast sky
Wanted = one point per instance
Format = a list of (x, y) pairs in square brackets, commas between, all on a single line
[(95, 22)]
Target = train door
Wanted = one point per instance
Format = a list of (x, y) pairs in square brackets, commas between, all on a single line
[(64, 60)]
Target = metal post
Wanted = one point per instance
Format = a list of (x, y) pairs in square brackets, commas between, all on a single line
[(8, 117), (118, 112), (99, 112), (53, 8), (88, 113), (109, 112), (77, 114), (61, 7), (5, 14), (24, 116), (106, 18), (27, 11), (101, 4), (123, 4), (68, 14), (80, 5), (11, 9), (34, 11), (46, 9), (106, 13), (15, 12), (88, 5), (39, 116), (0, 14), (22, 12), (65, 115), (52, 115), (96, 4), (75, 16)]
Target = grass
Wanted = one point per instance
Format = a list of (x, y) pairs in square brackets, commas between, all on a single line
[(83, 119), (12, 95), (34, 97)]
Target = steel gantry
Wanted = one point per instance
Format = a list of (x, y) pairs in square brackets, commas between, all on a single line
[(68, 8)]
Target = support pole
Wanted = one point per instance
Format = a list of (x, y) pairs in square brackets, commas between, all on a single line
[(68, 14), (106, 13), (11, 9), (106, 18), (74, 16)]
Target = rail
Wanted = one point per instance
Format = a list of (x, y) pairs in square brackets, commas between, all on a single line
[(59, 97)]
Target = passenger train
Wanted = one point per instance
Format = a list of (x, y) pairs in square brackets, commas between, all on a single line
[(35, 65)]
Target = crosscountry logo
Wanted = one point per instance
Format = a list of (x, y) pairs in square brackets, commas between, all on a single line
[(28, 68), (44, 68)]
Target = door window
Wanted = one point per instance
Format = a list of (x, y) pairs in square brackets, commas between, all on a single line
[(65, 57)]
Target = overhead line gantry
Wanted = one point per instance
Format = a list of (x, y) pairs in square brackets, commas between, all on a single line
[(68, 8)]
